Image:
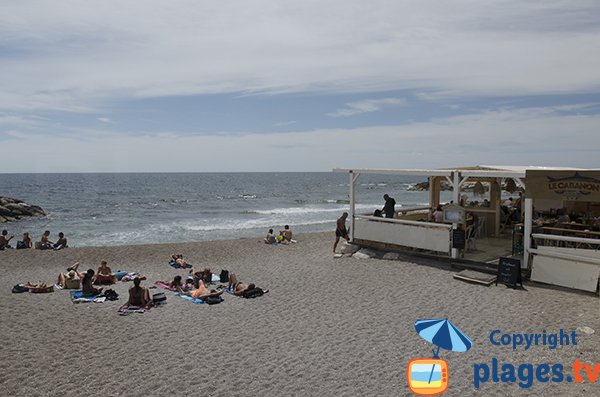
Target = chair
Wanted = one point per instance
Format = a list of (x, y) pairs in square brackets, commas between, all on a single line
[(471, 238)]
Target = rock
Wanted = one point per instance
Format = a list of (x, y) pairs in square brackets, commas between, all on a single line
[(391, 256), (365, 253), (12, 209), (585, 330), (361, 255)]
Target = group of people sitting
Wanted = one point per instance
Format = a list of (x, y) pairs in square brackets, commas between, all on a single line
[(285, 236), (73, 279), (26, 242)]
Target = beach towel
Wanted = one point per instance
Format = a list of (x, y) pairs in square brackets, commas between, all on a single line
[(120, 274), (189, 298), (163, 285), (174, 265), (126, 310), (77, 297), (131, 275)]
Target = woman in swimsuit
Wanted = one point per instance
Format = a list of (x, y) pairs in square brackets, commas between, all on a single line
[(138, 296)]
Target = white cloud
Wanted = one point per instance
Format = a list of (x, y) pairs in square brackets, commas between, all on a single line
[(79, 55), (105, 120), (510, 136), (367, 106)]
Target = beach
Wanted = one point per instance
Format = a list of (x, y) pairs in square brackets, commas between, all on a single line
[(328, 326)]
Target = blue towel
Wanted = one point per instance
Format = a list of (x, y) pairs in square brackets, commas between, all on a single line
[(174, 265), (79, 295), (189, 298)]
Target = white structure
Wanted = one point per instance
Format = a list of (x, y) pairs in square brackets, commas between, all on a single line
[(413, 229)]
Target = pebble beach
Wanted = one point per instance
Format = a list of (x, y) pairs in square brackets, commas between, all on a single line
[(328, 326)]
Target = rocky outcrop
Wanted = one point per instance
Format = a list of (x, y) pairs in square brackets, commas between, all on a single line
[(13, 209)]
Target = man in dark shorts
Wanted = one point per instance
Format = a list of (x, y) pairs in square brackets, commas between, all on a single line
[(340, 230), (389, 208)]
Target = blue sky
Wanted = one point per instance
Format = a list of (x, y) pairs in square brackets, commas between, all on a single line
[(297, 86)]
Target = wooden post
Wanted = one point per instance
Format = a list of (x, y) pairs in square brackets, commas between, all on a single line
[(528, 225)]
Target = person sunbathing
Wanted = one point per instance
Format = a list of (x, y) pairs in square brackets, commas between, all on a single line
[(204, 275), (179, 261), (201, 292), (105, 275), (138, 296), (87, 284), (241, 289), (71, 279)]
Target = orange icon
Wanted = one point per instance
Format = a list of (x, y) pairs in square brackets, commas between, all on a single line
[(427, 376)]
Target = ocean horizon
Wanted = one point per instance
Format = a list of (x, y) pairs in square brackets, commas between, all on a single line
[(124, 208)]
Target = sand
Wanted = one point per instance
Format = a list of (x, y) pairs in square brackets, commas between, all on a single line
[(327, 327)]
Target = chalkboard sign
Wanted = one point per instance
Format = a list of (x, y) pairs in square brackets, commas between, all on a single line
[(458, 239), (509, 272)]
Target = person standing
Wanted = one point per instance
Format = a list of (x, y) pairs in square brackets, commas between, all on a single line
[(389, 209), (340, 230)]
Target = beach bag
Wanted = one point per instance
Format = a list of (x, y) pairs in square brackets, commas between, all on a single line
[(159, 299), (213, 300), (252, 292), (224, 276), (111, 295), (19, 288), (21, 245)]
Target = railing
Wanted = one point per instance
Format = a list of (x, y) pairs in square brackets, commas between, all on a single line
[(553, 240), (422, 235)]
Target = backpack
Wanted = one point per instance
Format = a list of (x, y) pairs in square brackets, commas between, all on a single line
[(252, 292), (213, 300), (111, 295), (19, 288), (159, 299), (224, 277)]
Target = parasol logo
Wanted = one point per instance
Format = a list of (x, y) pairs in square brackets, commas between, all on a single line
[(430, 376), (575, 186)]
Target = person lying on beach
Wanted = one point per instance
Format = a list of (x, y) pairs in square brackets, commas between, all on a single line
[(61, 243), (176, 284), (179, 261), (26, 243), (241, 289), (201, 292), (45, 242), (270, 239), (4, 240), (204, 276), (71, 279), (138, 296), (105, 275)]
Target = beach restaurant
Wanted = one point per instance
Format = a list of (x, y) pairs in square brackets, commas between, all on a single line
[(553, 228)]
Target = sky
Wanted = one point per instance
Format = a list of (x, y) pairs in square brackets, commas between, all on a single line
[(257, 85)]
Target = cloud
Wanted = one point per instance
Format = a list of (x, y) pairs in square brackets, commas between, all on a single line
[(505, 136), (105, 120), (285, 123), (367, 106), (82, 55)]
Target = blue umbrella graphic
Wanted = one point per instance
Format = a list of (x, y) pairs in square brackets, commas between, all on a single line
[(442, 333)]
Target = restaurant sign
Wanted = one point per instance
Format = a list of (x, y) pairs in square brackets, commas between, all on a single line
[(566, 185)]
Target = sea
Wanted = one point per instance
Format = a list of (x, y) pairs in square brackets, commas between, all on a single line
[(105, 209)]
